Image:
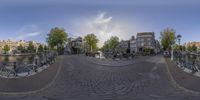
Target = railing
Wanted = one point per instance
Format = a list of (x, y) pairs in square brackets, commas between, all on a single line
[(26, 68), (189, 62)]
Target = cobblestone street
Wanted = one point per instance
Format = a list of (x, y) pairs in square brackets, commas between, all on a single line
[(80, 80)]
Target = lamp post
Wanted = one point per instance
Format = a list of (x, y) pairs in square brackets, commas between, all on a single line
[(172, 52), (179, 39)]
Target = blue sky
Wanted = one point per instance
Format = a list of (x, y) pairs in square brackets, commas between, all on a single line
[(33, 19)]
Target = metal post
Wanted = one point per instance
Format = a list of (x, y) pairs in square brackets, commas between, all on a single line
[(172, 55)]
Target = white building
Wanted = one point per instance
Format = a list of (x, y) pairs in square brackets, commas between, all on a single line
[(133, 44), (13, 45)]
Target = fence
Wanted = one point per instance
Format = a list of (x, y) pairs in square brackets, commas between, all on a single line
[(188, 62), (27, 68)]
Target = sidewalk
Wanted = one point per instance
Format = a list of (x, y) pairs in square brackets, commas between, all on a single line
[(31, 83), (182, 78)]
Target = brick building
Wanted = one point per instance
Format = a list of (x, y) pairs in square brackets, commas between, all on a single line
[(145, 40)]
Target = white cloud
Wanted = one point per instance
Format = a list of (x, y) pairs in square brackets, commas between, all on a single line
[(101, 19), (104, 26), (27, 32), (28, 35)]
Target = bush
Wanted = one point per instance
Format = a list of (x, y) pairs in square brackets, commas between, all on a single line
[(148, 51)]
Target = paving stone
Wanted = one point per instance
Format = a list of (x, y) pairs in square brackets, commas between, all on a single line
[(79, 79)]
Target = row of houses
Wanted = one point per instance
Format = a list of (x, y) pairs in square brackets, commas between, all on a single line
[(138, 44), (197, 44), (13, 45)]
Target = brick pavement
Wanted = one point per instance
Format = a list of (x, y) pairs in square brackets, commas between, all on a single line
[(79, 79), (184, 79)]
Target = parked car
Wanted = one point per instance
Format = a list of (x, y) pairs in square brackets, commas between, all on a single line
[(166, 54), (91, 54)]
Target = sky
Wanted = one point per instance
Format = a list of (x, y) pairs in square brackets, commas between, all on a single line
[(33, 19)]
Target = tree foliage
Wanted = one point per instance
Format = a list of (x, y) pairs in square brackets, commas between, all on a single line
[(189, 48), (183, 48), (192, 48), (56, 38), (46, 48), (111, 44), (147, 51), (176, 47), (31, 47), (92, 41), (6, 48), (40, 48), (20, 48), (179, 47), (168, 38)]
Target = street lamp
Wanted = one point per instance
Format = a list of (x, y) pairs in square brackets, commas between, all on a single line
[(179, 39)]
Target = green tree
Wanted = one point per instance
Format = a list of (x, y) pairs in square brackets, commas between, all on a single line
[(105, 46), (179, 47), (31, 47), (40, 48), (20, 48), (45, 48), (6, 48), (111, 44), (57, 38), (194, 48), (176, 47), (189, 48), (92, 41), (167, 38), (183, 48)]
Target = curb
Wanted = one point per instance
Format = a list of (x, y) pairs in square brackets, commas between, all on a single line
[(175, 84), (110, 65), (35, 91)]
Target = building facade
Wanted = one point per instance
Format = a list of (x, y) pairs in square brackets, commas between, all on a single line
[(133, 44), (123, 46), (157, 47), (144, 40), (13, 45), (75, 45), (197, 44)]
